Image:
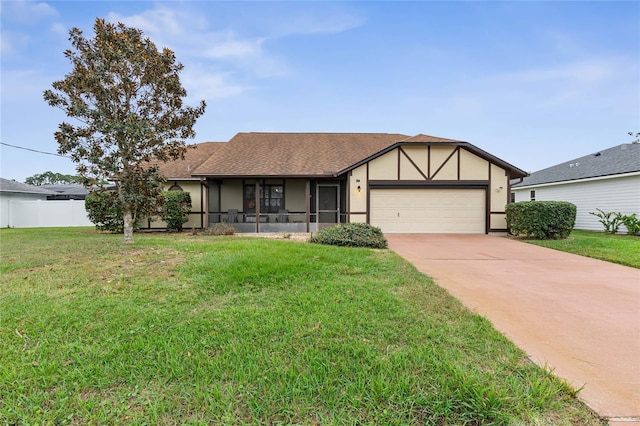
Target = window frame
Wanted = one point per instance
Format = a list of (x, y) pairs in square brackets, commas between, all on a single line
[(271, 198)]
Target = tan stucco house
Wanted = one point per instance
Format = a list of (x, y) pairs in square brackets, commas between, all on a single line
[(302, 182)]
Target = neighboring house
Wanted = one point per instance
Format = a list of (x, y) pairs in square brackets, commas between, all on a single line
[(27, 206), (71, 191), (302, 182), (11, 190), (608, 180)]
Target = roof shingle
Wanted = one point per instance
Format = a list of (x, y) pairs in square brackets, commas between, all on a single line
[(195, 155), (294, 154), (7, 185), (428, 139), (67, 189)]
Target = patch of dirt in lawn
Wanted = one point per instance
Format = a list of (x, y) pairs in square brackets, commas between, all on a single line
[(300, 237), (152, 262)]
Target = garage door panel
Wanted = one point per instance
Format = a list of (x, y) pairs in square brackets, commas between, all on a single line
[(428, 210)]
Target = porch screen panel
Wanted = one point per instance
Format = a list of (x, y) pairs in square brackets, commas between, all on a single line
[(328, 204), (249, 199), (271, 198)]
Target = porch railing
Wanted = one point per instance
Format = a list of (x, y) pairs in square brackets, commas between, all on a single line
[(270, 222)]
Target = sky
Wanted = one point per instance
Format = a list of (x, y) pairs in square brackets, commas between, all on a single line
[(535, 83)]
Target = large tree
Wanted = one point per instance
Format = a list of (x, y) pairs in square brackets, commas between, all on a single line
[(128, 100), (52, 178)]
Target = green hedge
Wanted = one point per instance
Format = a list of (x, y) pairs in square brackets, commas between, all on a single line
[(545, 220), (105, 210), (176, 209), (351, 235)]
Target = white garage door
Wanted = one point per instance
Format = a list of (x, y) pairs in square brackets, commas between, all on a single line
[(428, 211)]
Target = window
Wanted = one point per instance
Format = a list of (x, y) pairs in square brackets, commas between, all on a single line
[(271, 198), (532, 195), (513, 197)]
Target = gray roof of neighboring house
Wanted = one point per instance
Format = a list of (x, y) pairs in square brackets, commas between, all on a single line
[(7, 185), (67, 189), (620, 159)]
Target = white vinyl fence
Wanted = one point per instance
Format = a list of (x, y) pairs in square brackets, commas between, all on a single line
[(42, 213)]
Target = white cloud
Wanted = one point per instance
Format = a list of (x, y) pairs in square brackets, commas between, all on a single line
[(588, 71), (157, 21), (28, 12), (209, 85), (219, 60), (213, 58), (59, 29), (596, 80), (234, 49), (176, 30), (19, 15), (563, 43), (23, 86), (11, 42), (317, 22)]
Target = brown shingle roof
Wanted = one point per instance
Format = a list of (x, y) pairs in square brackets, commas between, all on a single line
[(183, 169), (429, 139), (294, 154)]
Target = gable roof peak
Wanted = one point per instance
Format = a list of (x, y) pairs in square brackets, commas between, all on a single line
[(422, 138)]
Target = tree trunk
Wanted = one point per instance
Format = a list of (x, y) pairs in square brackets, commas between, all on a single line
[(128, 226)]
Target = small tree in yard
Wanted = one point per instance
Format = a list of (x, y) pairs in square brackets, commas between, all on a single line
[(128, 99)]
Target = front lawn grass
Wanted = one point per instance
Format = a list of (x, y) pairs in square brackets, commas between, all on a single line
[(622, 249), (223, 330)]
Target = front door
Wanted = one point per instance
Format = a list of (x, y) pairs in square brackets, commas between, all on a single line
[(328, 204)]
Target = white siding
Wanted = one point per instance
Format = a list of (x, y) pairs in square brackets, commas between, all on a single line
[(618, 194)]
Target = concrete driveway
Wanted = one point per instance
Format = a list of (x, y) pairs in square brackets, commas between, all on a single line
[(579, 316)]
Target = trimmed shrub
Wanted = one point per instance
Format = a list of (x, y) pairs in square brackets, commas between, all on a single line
[(176, 209), (220, 229), (351, 235), (104, 210), (544, 220)]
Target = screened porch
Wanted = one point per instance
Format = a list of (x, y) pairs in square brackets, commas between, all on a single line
[(276, 205)]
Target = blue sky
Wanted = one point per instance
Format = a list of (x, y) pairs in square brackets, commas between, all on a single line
[(534, 83)]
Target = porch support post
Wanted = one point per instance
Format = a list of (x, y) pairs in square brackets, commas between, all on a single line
[(258, 206), (347, 192), (219, 184), (204, 198), (308, 204)]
